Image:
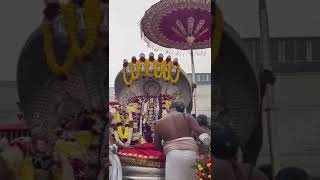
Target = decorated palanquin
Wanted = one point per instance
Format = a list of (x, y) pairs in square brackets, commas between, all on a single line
[(144, 90)]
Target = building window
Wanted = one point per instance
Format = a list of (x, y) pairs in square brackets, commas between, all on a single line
[(203, 77), (198, 77), (316, 50), (281, 50), (275, 55), (309, 50), (301, 50), (289, 50)]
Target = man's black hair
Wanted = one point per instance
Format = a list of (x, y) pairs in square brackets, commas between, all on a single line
[(224, 142), (178, 105), (292, 173), (202, 120), (194, 116)]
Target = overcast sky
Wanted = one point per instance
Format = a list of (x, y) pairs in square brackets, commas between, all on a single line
[(125, 39), (287, 18)]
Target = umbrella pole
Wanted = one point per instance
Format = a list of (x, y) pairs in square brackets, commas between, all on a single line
[(269, 96), (193, 83)]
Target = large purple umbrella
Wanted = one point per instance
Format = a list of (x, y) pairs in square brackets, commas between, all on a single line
[(178, 24)]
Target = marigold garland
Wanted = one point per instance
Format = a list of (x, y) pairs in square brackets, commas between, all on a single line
[(217, 33), (93, 16), (26, 171), (146, 72), (136, 75), (92, 20), (165, 73), (124, 75), (176, 79), (50, 54), (122, 135), (155, 70)]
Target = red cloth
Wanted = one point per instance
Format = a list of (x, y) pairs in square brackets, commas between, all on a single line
[(145, 151)]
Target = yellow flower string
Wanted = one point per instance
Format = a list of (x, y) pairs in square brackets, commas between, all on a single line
[(217, 34), (165, 71), (92, 19), (155, 69), (50, 54), (167, 74), (122, 135), (146, 65), (176, 79), (26, 169), (137, 74), (124, 75)]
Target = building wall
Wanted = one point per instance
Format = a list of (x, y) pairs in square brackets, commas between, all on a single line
[(296, 118), (8, 99), (296, 62), (203, 100)]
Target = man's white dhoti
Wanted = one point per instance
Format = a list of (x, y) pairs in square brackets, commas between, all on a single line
[(180, 158), (115, 170), (179, 165)]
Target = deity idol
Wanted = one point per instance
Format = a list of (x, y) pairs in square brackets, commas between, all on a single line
[(143, 98)]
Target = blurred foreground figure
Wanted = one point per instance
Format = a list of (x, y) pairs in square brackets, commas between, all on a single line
[(179, 145), (267, 170), (226, 166), (5, 172), (292, 173), (115, 170)]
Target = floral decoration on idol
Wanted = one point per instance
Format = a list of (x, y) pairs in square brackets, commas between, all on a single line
[(132, 121), (69, 20), (122, 124), (167, 70)]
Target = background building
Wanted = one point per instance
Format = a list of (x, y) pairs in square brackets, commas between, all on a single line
[(8, 100), (203, 94), (296, 62)]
